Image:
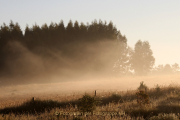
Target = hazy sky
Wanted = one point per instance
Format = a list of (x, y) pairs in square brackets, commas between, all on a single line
[(156, 21)]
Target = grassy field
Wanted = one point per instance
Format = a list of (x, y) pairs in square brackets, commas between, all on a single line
[(49, 100)]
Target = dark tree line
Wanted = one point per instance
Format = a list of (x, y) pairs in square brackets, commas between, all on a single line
[(56, 35), (95, 46), (72, 40)]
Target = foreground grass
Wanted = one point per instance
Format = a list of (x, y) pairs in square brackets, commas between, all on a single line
[(164, 104)]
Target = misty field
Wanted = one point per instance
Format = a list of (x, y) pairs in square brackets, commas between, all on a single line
[(115, 95)]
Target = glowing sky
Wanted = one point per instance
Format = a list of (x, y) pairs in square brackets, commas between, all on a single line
[(157, 21)]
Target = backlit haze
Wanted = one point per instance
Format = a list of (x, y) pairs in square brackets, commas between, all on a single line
[(153, 21)]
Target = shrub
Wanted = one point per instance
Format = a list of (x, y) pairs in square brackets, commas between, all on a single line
[(142, 86), (87, 103), (116, 98), (142, 98), (161, 116)]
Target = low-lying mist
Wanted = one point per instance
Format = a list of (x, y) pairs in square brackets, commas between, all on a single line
[(101, 84)]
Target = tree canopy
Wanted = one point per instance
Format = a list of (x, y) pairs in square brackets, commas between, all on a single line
[(142, 58)]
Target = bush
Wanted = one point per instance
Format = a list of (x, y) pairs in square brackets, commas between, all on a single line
[(142, 98), (142, 87), (87, 103), (165, 117), (116, 98)]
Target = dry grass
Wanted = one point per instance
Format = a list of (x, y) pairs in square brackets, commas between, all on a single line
[(165, 99)]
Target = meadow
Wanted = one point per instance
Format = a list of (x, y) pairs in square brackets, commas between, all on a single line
[(116, 95)]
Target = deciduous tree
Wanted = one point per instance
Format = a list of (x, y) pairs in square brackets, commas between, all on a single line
[(142, 58)]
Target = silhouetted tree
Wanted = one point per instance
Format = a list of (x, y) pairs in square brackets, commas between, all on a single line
[(36, 36), (92, 30), (70, 32), (122, 65), (160, 69), (45, 31), (28, 37), (5, 34), (167, 69), (60, 34), (111, 31), (4, 39), (175, 67), (142, 59), (15, 31), (83, 31), (76, 30)]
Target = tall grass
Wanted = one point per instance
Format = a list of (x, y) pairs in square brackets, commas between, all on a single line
[(163, 104)]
